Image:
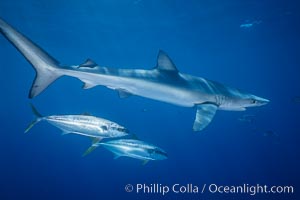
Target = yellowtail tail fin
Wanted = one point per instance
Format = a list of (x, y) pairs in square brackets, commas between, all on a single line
[(39, 117)]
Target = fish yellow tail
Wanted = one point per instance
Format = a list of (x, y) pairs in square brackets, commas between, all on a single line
[(39, 117)]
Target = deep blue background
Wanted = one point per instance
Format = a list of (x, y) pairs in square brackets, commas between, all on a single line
[(203, 38)]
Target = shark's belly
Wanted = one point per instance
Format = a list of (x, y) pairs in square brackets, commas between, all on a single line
[(168, 94), (156, 89), (159, 91), (177, 94)]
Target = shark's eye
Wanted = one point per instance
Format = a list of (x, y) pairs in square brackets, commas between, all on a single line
[(254, 101), (104, 128)]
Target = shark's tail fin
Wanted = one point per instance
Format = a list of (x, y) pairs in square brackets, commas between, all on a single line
[(38, 118), (45, 66)]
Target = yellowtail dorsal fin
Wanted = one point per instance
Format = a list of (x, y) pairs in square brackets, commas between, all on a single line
[(134, 136), (87, 114)]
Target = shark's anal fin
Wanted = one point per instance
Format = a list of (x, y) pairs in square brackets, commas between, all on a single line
[(204, 115), (88, 86), (93, 147), (124, 93)]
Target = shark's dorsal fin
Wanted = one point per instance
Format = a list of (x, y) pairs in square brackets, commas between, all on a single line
[(164, 63), (88, 63), (205, 113)]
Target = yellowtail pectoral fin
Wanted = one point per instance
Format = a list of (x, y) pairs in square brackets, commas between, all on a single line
[(145, 162), (95, 140), (32, 124), (89, 150), (93, 147), (65, 132)]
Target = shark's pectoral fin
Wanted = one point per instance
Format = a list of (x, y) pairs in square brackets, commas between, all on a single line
[(124, 93), (204, 115)]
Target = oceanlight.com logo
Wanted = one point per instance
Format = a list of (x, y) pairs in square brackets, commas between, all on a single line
[(163, 189)]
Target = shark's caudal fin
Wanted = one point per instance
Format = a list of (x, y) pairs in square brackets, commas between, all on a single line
[(45, 66), (36, 120)]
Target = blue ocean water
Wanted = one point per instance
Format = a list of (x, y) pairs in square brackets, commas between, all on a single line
[(251, 45)]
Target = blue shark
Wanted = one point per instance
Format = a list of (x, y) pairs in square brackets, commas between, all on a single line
[(163, 83)]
